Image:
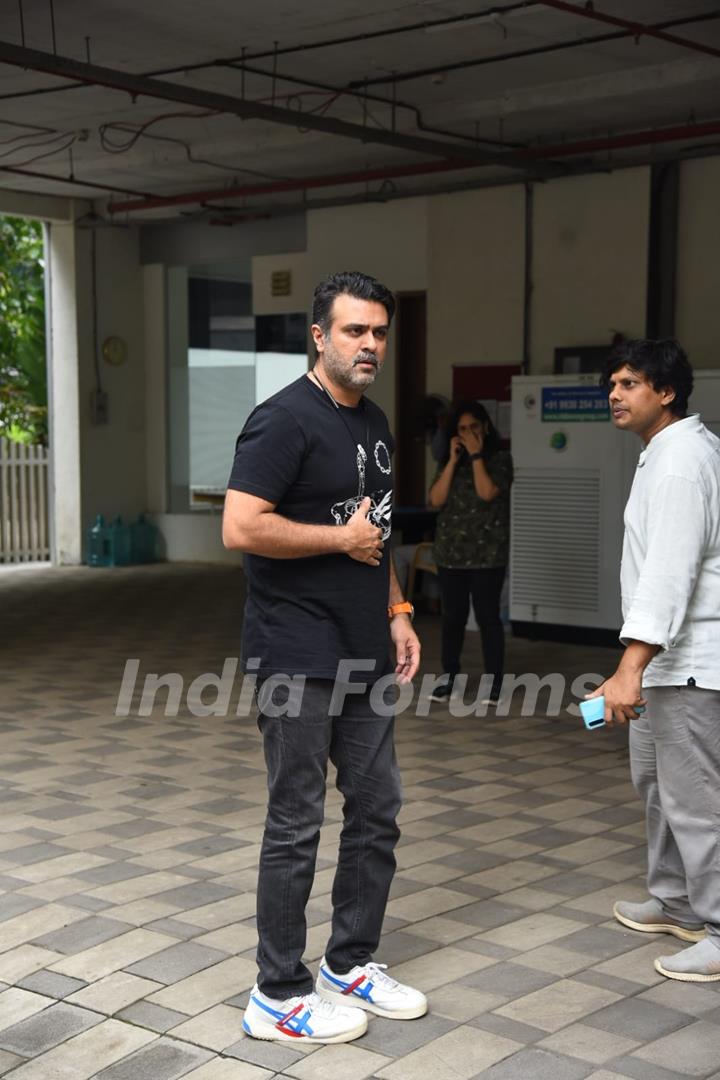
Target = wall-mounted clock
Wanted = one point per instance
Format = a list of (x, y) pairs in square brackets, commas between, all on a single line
[(114, 351)]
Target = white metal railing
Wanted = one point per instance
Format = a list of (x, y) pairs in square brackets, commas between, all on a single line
[(24, 533)]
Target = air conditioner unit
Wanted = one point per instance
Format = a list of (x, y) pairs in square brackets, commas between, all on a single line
[(573, 472)]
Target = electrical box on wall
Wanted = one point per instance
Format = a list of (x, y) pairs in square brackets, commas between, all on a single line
[(573, 473)]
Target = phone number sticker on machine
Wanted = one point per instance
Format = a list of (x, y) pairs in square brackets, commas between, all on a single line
[(574, 403)]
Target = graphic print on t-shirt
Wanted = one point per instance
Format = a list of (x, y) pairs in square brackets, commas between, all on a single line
[(380, 501)]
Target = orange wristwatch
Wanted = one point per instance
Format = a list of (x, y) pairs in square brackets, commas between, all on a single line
[(405, 608)]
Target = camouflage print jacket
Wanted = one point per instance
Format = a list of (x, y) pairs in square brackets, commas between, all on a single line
[(472, 533)]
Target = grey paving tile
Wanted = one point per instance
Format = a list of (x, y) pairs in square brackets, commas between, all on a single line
[(33, 853), (211, 845), (638, 1019), (112, 851), (686, 997), (488, 914), (511, 1029), (693, 1050), (643, 1070), (227, 805), (608, 982), (395, 1039), (155, 1017), (196, 895), (62, 811), (266, 1055), (11, 882), (51, 984), (158, 790), (46, 1029), (537, 1064), (571, 883), (87, 903), (82, 935), (598, 941), (175, 928), (14, 904), (127, 830), (399, 946), (177, 962), (509, 980), (111, 872), (162, 1060)]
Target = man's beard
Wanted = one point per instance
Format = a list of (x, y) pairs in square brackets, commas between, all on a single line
[(349, 377)]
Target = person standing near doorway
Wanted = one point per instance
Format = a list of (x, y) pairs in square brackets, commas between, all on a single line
[(309, 502), (472, 541)]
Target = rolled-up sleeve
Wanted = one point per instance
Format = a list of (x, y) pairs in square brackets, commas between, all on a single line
[(677, 532)]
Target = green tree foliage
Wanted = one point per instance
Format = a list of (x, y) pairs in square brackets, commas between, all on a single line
[(23, 377)]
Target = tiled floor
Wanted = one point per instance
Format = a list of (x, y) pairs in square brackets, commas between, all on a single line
[(129, 846)]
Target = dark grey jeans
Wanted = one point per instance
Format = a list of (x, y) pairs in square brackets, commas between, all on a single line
[(297, 748)]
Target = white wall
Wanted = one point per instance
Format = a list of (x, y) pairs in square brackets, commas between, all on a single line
[(154, 286), (698, 265), (63, 394), (387, 240), (194, 538), (589, 267), (112, 454), (184, 243), (476, 271)]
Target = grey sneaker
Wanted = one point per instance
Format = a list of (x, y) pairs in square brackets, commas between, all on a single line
[(699, 963), (650, 918)]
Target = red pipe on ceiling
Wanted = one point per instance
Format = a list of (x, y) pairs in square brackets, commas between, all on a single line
[(639, 29), (585, 146)]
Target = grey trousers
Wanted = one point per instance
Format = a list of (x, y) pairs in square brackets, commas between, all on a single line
[(675, 764)]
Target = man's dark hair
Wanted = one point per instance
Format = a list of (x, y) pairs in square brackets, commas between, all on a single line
[(350, 283), (664, 364)]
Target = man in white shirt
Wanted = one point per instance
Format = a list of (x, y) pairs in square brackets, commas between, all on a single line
[(668, 681)]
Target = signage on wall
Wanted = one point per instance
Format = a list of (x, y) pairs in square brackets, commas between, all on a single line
[(574, 403), (281, 282)]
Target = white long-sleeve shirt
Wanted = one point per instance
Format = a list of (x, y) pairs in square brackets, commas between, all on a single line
[(670, 573)]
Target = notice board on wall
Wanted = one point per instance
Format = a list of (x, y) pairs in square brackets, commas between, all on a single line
[(491, 384)]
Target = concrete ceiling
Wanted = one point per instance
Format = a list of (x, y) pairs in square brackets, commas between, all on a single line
[(397, 97)]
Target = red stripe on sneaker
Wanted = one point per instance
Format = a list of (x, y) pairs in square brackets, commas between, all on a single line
[(353, 986), (288, 1016)]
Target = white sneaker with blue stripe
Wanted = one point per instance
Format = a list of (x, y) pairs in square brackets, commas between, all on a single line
[(307, 1019), (369, 988)]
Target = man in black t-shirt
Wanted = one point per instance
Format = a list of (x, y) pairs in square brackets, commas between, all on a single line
[(309, 502)]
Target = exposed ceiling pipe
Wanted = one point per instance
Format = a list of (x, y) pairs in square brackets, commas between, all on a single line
[(636, 28), (585, 146), (93, 184), (304, 183), (520, 54), (139, 85), (627, 142)]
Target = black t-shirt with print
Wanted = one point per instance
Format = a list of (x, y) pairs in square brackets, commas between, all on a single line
[(316, 462)]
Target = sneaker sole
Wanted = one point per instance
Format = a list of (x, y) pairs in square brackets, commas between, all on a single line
[(685, 976), (269, 1033), (357, 1003), (660, 928)]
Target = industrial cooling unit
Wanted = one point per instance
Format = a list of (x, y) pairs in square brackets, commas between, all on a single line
[(573, 472)]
